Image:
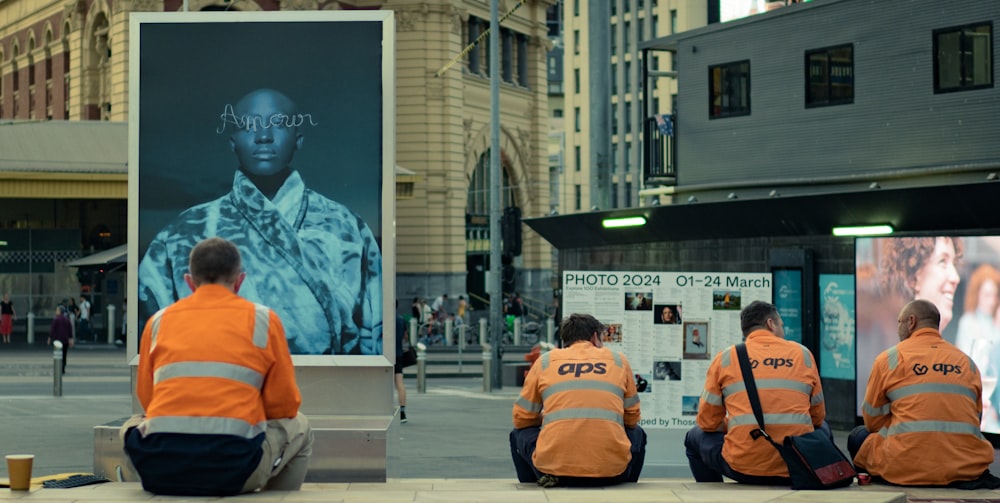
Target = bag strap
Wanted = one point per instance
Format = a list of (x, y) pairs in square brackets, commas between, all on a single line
[(751, 387)]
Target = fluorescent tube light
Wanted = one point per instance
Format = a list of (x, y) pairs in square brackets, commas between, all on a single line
[(611, 223), (863, 230)]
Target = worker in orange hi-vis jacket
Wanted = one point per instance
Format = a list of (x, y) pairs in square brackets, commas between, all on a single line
[(217, 384), (585, 397), (791, 398), (922, 410)]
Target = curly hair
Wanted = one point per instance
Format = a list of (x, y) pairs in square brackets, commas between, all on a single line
[(902, 259), (981, 275)]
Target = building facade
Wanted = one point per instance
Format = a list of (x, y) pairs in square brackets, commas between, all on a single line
[(69, 61)]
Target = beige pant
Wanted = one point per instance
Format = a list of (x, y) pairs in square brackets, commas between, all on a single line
[(284, 460)]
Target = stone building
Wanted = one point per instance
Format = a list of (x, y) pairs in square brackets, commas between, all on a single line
[(68, 60)]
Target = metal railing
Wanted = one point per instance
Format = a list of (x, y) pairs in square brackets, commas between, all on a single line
[(659, 160)]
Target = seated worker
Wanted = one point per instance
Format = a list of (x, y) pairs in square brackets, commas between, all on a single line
[(216, 381), (585, 397), (311, 259), (791, 398), (924, 400)]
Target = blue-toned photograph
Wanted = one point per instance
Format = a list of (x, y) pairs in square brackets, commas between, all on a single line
[(244, 133)]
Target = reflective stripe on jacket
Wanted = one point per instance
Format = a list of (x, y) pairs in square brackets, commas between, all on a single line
[(215, 363), (583, 397), (790, 393), (923, 404)]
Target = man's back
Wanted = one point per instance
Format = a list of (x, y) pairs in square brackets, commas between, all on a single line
[(213, 369), (585, 389), (790, 394), (923, 397)]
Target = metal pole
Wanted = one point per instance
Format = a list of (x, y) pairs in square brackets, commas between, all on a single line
[(550, 330), (487, 366), (461, 344), (496, 289), (57, 368), (449, 326), (517, 331), (421, 368), (413, 331), (31, 278), (111, 324), (31, 328), (484, 336)]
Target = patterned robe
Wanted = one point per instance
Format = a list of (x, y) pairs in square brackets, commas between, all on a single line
[(312, 260)]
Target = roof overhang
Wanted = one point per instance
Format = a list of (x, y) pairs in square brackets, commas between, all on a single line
[(967, 208), (109, 257)]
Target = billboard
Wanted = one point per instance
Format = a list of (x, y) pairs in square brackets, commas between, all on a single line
[(669, 325), (273, 130), (959, 274)]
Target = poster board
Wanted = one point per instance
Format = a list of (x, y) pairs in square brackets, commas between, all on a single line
[(670, 325), (189, 74)]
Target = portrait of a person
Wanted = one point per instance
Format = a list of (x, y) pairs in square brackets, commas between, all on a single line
[(313, 260), (667, 315), (923, 268)]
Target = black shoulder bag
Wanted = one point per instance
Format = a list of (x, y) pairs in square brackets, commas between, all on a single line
[(814, 461)]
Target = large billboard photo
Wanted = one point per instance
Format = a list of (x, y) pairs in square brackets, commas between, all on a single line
[(959, 274), (268, 129)]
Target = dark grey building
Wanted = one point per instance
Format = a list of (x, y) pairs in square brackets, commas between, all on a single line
[(802, 119)]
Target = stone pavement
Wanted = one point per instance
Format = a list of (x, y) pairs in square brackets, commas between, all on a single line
[(497, 490)]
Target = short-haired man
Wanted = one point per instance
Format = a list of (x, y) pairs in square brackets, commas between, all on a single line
[(791, 397), (217, 383), (924, 400), (585, 397), (313, 260)]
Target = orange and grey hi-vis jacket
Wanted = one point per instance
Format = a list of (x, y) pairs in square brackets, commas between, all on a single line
[(923, 406), (583, 397), (791, 398)]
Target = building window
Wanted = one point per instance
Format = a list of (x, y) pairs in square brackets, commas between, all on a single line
[(576, 41), (729, 90), (627, 35), (576, 7), (507, 56), (963, 58), (557, 113), (628, 194), (628, 76), (614, 118), (653, 26), (830, 76), (578, 160), (614, 7), (473, 29), (614, 78), (576, 119), (576, 80), (522, 60), (577, 197), (614, 158), (614, 195), (614, 39), (628, 117), (673, 21)]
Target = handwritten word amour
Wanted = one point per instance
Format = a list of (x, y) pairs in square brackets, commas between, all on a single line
[(252, 123)]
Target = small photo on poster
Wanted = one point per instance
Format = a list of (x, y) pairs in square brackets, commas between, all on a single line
[(612, 333), (667, 314), (639, 301), (726, 300), (689, 405), (666, 371), (696, 340), (642, 384)]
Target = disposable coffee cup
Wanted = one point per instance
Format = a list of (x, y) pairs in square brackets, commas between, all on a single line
[(19, 471)]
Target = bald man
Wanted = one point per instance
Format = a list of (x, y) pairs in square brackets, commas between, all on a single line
[(922, 410), (313, 260)]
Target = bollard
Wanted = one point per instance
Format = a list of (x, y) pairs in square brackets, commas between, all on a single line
[(31, 328), (413, 331), (487, 368), (461, 344), (483, 336), (550, 330), (421, 368), (111, 323), (449, 325), (57, 357), (517, 331)]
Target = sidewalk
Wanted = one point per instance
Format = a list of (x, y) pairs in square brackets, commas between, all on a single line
[(495, 490)]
